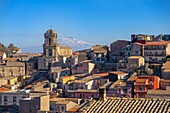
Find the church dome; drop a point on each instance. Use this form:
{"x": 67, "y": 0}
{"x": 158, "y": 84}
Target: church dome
{"x": 50, "y": 31}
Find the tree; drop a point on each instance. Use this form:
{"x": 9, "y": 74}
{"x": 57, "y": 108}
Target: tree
{"x": 11, "y": 47}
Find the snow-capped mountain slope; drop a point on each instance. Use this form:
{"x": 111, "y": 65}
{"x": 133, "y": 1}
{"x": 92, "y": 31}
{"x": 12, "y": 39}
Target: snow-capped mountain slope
{"x": 75, "y": 44}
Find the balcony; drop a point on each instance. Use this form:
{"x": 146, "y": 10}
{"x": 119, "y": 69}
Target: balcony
{"x": 154, "y": 48}
{"x": 161, "y": 55}
{"x": 140, "y": 90}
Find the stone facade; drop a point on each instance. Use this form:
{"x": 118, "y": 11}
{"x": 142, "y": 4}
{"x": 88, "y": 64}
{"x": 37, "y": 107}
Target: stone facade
{"x": 156, "y": 51}
{"x": 52, "y": 51}
{"x": 135, "y": 62}
{"x": 12, "y": 69}
{"x": 34, "y": 104}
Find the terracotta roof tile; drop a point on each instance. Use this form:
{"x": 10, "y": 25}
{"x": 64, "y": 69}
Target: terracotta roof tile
{"x": 132, "y": 78}
{"x": 141, "y": 80}
{"x": 1, "y": 53}
{"x": 101, "y": 74}
{"x": 65, "y": 47}
{"x": 10, "y": 59}
{"x": 73, "y": 109}
{"x": 166, "y": 65}
{"x": 4, "y": 89}
{"x": 157, "y": 43}
{"x": 118, "y": 72}
{"x": 135, "y": 57}
{"x": 125, "y": 105}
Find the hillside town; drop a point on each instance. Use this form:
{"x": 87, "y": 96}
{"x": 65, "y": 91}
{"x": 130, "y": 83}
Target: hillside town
{"x": 128, "y": 76}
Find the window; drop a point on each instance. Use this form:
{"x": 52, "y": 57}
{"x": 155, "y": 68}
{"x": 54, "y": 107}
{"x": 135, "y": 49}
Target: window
{"x": 50, "y": 52}
{"x": 140, "y": 88}
{"x": 23, "y": 97}
{"x": 5, "y": 98}
{"x": 49, "y": 41}
{"x": 14, "y": 99}
{"x": 63, "y": 109}
{"x": 81, "y": 95}
{"x": 98, "y": 59}
{"x": 102, "y": 59}
{"x": 92, "y": 96}
{"x": 151, "y": 80}
{"x": 97, "y": 54}
{"x": 156, "y": 53}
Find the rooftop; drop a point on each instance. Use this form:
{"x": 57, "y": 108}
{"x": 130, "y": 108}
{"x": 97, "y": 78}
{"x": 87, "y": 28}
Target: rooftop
{"x": 84, "y": 91}
{"x": 15, "y": 64}
{"x": 86, "y": 61}
{"x": 62, "y": 102}
{"x": 158, "y": 92}
{"x": 133, "y": 78}
{"x": 1, "y": 53}
{"x": 87, "y": 79}
{"x": 135, "y": 57}
{"x": 63, "y": 99}
{"x": 10, "y": 59}
{"x": 166, "y": 65}
{"x": 141, "y": 80}
{"x": 99, "y": 50}
{"x": 157, "y": 43}
{"x": 2, "y": 89}
{"x": 163, "y": 80}
{"x": 101, "y": 74}
{"x": 118, "y": 72}
{"x": 65, "y": 47}
{"x": 120, "y": 83}
{"x": 127, "y": 105}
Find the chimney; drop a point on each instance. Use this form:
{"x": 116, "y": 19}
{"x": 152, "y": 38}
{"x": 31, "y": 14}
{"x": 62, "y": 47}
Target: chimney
{"x": 102, "y": 94}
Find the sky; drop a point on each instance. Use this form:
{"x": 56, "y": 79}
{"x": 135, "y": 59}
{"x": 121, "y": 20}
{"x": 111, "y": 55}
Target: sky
{"x": 24, "y": 22}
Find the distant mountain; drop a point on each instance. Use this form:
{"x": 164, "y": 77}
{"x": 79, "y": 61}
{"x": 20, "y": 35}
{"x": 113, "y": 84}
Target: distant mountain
{"x": 33, "y": 49}
{"x": 75, "y": 44}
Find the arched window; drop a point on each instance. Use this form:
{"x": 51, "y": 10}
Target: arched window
{"x": 49, "y": 41}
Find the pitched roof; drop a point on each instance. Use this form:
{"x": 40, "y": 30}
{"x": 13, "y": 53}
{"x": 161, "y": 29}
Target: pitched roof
{"x": 166, "y": 65}
{"x": 101, "y": 74}
{"x": 86, "y": 61}
{"x": 2, "y": 89}
{"x": 157, "y": 43}
{"x": 65, "y": 47}
{"x": 141, "y": 80}
{"x": 1, "y": 53}
{"x": 118, "y": 83}
{"x": 73, "y": 109}
{"x": 138, "y": 43}
{"x": 66, "y": 76}
{"x": 62, "y": 102}
{"x": 16, "y": 49}
{"x": 84, "y": 91}
{"x": 164, "y": 80}
{"x": 10, "y": 59}
{"x": 124, "y": 105}
{"x": 63, "y": 99}
{"x": 135, "y": 57}
{"x": 132, "y": 78}
{"x": 15, "y": 64}
{"x": 158, "y": 92}
{"x": 118, "y": 72}
{"x": 99, "y": 50}
{"x": 167, "y": 70}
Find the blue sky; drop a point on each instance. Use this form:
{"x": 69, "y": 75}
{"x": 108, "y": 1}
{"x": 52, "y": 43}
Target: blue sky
{"x": 23, "y": 22}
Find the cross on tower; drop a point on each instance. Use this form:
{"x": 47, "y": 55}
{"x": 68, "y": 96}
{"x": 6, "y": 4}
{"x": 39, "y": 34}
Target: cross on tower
{"x": 50, "y": 26}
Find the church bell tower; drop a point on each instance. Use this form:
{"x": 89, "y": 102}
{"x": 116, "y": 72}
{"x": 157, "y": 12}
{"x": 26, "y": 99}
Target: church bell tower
{"x": 50, "y": 44}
